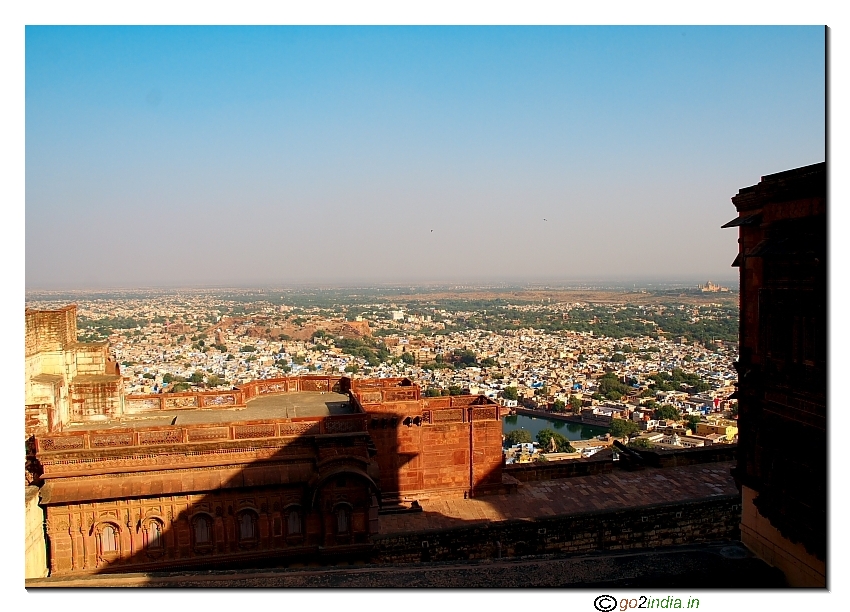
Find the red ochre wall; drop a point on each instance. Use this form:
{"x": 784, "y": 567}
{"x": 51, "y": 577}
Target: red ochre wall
{"x": 74, "y": 529}
{"x": 433, "y": 458}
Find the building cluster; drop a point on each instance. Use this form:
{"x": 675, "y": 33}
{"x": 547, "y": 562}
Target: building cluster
{"x": 184, "y": 344}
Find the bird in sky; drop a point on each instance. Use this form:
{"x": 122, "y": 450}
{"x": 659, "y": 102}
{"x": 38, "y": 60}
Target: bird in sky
{"x": 544, "y": 219}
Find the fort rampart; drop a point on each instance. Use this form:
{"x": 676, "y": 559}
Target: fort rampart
{"x": 690, "y": 522}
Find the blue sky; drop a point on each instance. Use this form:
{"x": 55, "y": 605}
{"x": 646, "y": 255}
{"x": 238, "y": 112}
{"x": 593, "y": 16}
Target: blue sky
{"x": 275, "y": 155}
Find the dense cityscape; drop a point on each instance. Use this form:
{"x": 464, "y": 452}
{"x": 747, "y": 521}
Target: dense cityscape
{"x": 423, "y": 306}
{"x": 647, "y": 364}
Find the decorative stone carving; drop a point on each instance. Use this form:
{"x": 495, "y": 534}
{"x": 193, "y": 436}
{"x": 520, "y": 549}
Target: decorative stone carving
{"x": 171, "y": 436}
{"x": 452, "y": 415}
{"x": 141, "y": 404}
{"x": 346, "y": 426}
{"x": 254, "y": 431}
{"x": 220, "y": 400}
{"x": 273, "y": 388}
{"x": 104, "y": 440}
{"x": 61, "y": 443}
{"x": 299, "y": 429}
{"x": 209, "y": 433}
{"x": 190, "y": 401}
{"x": 481, "y": 414}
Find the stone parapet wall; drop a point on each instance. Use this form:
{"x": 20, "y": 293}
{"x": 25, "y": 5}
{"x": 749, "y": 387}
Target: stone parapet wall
{"x": 716, "y": 453}
{"x": 698, "y": 521}
{"x": 233, "y": 398}
{"x": 71, "y": 442}
{"x": 35, "y": 552}
{"x": 290, "y": 384}
{"x": 601, "y": 463}
{"x": 141, "y": 403}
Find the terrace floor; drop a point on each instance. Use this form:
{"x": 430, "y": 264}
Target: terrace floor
{"x": 618, "y": 489}
{"x": 293, "y": 405}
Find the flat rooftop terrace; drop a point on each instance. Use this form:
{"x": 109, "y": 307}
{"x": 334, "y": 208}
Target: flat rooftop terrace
{"x": 299, "y": 404}
{"x": 566, "y": 496}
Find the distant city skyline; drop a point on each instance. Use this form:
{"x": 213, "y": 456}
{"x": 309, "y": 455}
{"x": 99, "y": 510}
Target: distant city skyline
{"x": 276, "y": 156}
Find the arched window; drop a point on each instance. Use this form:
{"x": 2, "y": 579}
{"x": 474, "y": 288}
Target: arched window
{"x": 203, "y": 530}
{"x": 293, "y": 522}
{"x": 342, "y": 520}
{"x": 108, "y": 539}
{"x": 247, "y": 526}
{"x": 153, "y": 535}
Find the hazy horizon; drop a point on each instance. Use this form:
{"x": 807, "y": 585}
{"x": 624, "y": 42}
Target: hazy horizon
{"x": 551, "y": 284}
{"x": 180, "y": 157}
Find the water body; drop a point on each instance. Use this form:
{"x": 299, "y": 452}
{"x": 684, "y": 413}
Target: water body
{"x": 571, "y": 431}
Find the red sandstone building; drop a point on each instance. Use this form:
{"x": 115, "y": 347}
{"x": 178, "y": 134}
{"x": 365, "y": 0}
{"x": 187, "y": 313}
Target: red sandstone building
{"x": 289, "y": 468}
{"x": 782, "y": 370}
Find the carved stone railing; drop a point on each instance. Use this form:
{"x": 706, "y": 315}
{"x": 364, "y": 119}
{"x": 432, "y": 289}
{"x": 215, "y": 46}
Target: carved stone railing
{"x": 135, "y": 404}
{"x": 291, "y": 384}
{"x": 219, "y": 432}
{"x": 238, "y": 397}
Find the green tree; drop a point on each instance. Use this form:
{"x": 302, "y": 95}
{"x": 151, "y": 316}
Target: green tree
{"x": 215, "y": 381}
{"x": 640, "y": 443}
{"x": 575, "y": 403}
{"x": 650, "y": 405}
{"x": 298, "y": 360}
{"x": 559, "y": 406}
{"x": 621, "y": 428}
{"x": 464, "y": 359}
{"x": 562, "y": 444}
{"x": 455, "y": 390}
{"x": 167, "y": 378}
{"x": 352, "y": 368}
{"x": 197, "y": 377}
{"x": 488, "y": 362}
{"x": 408, "y": 358}
{"x": 148, "y": 375}
{"x": 180, "y": 387}
{"x": 691, "y": 422}
{"x": 667, "y": 413}
{"x": 510, "y": 393}
{"x": 248, "y": 349}
{"x": 432, "y": 392}
{"x": 517, "y": 436}
{"x": 611, "y": 387}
